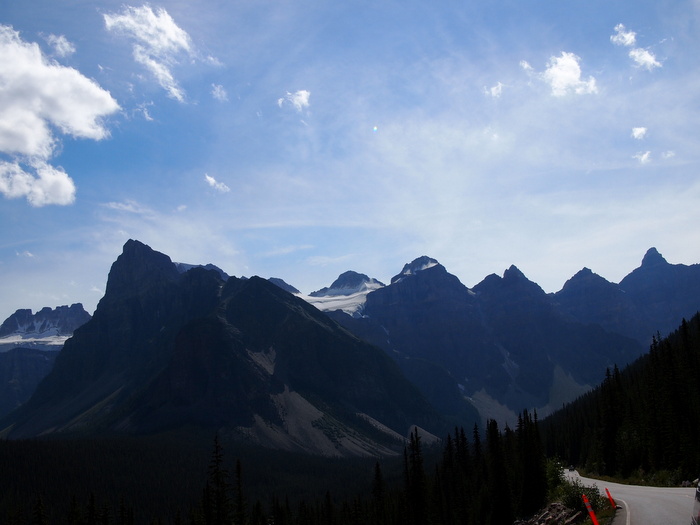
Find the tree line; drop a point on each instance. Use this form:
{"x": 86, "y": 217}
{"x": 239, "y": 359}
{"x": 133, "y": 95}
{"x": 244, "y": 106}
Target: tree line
{"x": 642, "y": 422}
{"x": 466, "y": 480}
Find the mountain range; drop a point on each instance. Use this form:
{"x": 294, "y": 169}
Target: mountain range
{"x": 167, "y": 350}
{"x": 505, "y": 344}
{"x": 346, "y": 370}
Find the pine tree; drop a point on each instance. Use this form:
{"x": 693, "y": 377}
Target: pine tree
{"x": 416, "y": 490}
{"x": 217, "y": 502}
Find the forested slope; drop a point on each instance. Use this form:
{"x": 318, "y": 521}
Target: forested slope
{"x": 641, "y": 421}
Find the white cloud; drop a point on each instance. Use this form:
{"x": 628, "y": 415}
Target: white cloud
{"x": 644, "y": 157}
{"x": 299, "y": 99}
{"x": 38, "y": 97}
{"x": 158, "y": 42}
{"x": 218, "y": 186}
{"x": 50, "y": 185}
{"x": 526, "y": 66}
{"x": 622, "y": 37}
{"x": 60, "y": 44}
{"x": 563, "y": 74}
{"x": 25, "y": 253}
{"x": 644, "y": 59}
{"x": 668, "y": 154}
{"x": 128, "y": 206}
{"x": 639, "y": 133}
{"x": 494, "y": 91}
{"x": 219, "y": 93}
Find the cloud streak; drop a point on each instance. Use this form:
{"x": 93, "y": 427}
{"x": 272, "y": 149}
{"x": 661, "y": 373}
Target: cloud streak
{"x": 158, "y": 42}
{"x": 218, "y": 186}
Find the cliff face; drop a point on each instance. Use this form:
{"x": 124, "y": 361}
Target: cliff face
{"x": 167, "y": 350}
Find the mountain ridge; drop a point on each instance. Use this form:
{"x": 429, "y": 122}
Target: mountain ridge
{"x": 526, "y": 342}
{"x": 166, "y": 349}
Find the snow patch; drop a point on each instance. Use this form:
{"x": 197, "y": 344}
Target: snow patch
{"x": 350, "y": 301}
{"x": 40, "y": 341}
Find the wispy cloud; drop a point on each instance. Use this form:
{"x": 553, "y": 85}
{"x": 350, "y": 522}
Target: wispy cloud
{"x": 218, "y": 186}
{"x": 219, "y": 93}
{"x": 60, "y": 44}
{"x": 158, "y": 42}
{"x": 286, "y": 250}
{"x": 644, "y": 157}
{"x": 563, "y": 74}
{"x": 129, "y": 206}
{"x": 38, "y": 98}
{"x": 495, "y": 91}
{"x": 299, "y": 99}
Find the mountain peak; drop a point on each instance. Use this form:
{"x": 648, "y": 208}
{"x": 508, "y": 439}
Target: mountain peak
{"x": 349, "y": 283}
{"x": 137, "y": 266}
{"x": 417, "y": 265}
{"x": 513, "y": 273}
{"x": 653, "y": 258}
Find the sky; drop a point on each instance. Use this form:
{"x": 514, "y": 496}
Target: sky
{"x": 300, "y": 139}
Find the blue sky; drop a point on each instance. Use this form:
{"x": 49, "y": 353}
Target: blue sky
{"x": 302, "y": 139}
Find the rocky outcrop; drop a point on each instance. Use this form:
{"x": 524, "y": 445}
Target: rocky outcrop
{"x": 554, "y": 514}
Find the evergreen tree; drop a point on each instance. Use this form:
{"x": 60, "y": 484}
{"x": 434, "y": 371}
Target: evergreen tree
{"x": 217, "y": 497}
{"x": 415, "y": 480}
{"x": 501, "y": 509}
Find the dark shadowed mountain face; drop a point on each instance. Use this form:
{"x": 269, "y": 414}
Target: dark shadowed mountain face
{"x": 652, "y": 299}
{"x": 505, "y": 345}
{"x": 21, "y": 369}
{"x": 166, "y": 350}
{"x": 499, "y": 348}
{"x": 29, "y": 344}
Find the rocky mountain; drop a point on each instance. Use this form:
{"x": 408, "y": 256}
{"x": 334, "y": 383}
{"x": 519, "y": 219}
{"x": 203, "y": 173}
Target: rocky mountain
{"x": 506, "y": 345}
{"x": 167, "y": 350}
{"x": 347, "y": 293}
{"x": 29, "y": 344}
{"x": 653, "y": 298}
{"x": 47, "y": 329}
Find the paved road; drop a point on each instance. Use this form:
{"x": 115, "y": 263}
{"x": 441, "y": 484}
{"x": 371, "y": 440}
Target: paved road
{"x": 646, "y": 505}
